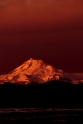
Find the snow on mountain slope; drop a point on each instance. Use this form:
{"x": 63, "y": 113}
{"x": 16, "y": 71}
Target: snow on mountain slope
{"x": 32, "y": 71}
{"x": 39, "y": 72}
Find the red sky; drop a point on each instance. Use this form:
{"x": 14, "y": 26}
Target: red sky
{"x": 51, "y": 30}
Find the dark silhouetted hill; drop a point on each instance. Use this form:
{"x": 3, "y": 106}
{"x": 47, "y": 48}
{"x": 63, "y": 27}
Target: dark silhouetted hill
{"x": 51, "y": 94}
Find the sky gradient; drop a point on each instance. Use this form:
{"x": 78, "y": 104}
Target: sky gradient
{"x": 51, "y": 30}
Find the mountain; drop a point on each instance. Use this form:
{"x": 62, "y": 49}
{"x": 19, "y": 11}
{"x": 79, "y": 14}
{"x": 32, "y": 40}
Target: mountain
{"x": 37, "y": 71}
{"x": 32, "y": 71}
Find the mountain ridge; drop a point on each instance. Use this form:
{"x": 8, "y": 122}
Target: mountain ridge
{"x": 32, "y": 71}
{"x": 37, "y": 71}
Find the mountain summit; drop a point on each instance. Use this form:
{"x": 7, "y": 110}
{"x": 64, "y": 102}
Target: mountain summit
{"x": 37, "y": 71}
{"x": 32, "y": 71}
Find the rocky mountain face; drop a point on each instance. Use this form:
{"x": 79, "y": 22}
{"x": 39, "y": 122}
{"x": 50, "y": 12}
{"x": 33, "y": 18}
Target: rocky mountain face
{"x": 32, "y": 71}
{"x": 38, "y": 72}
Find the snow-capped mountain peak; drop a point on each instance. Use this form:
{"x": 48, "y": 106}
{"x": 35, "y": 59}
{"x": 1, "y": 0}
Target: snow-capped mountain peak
{"x": 32, "y": 71}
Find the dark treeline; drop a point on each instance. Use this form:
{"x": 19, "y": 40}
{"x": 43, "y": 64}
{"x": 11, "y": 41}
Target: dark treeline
{"x": 51, "y": 94}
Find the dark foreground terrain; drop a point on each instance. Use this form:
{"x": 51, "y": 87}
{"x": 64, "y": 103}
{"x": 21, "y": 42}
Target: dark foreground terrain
{"x": 53, "y": 102}
{"x": 54, "y": 94}
{"x": 41, "y": 115}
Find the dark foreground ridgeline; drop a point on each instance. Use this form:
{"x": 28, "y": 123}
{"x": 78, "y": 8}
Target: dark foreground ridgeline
{"x": 55, "y": 94}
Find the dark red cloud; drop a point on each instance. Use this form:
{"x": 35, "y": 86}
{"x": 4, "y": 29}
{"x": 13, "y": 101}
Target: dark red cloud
{"x": 22, "y": 14}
